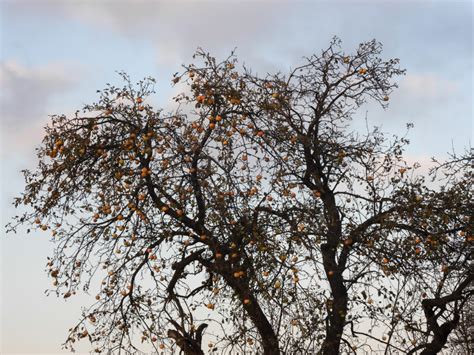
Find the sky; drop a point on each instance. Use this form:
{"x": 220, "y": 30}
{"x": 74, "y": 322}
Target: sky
{"x": 54, "y": 55}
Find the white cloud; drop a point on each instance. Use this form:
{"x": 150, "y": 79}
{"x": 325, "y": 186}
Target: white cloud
{"x": 26, "y": 91}
{"x": 177, "y": 28}
{"x": 25, "y": 100}
{"x": 427, "y": 85}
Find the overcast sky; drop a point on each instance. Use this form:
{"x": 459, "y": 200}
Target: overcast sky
{"x": 54, "y": 55}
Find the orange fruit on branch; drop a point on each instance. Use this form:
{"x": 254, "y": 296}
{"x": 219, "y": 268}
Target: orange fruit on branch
{"x": 200, "y": 98}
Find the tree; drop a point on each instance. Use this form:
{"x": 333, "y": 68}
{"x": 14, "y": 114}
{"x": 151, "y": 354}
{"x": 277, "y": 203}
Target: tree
{"x": 462, "y": 340}
{"x": 254, "y": 207}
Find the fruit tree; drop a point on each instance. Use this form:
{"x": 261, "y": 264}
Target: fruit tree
{"x": 255, "y": 217}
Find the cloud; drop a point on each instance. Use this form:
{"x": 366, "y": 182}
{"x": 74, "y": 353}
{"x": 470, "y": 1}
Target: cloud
{"x": 27, "y": 91}
{"x": 26, "y": 98}
{"x": 175, "y": 28}
{"x": 427, "y": 85}
{"x": 424, "y": 97}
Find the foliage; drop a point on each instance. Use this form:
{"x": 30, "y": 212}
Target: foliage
{"x": 254, "y": 214}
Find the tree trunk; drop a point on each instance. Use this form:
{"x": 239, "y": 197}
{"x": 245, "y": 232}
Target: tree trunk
{"x": 441, "y": 334}
{"x": 265, "y": 329}
{"x": 189, "y": 344}
{"x": 336, "y": 318}
{"x": 338, "y": 309}
{"x": 269, "y": 339}
{"x": 240, "y": 286}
